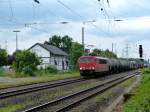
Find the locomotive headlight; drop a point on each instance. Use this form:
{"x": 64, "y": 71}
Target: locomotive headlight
{"x": 80, "y": 68}
{"x": 93, "y": 68}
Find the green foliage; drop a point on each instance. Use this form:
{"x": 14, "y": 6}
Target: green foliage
{"x": 26, "y": 62}
{"x": 51, "y": 69}
{"x": 106, "y": 53}
{"x": 74, "y": 49}
{"x": 55, "y": 40}
{"x": 76, "y": 52}
{"x": 141, "y": 101}
{"x": 3, "y": 57}
{"x": 1, "y": 72}
{"x": 146, "y": 71}
{"x": 64, "y": 42}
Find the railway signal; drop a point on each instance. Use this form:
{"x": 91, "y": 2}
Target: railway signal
{"x": 140, "y": 51}
{"x": 38, "y": 2}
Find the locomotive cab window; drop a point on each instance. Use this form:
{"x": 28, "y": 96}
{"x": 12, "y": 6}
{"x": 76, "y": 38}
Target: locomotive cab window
{"x": 86, "y": 60}
{"x": 102, "y": 61}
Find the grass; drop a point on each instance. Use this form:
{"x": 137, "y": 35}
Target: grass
{"x": 2, "y": 72}
{"x": 140, "y": 102}
{"x": 47, "y": 95}
{"x": 123, "y": 85}
{"x": 101, "y": 101}
{"x": 13, "y": 81}
{"x": 11, "y": 108}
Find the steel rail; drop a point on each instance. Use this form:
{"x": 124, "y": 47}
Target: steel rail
{"x": 11, "y": 93}
{"x": 99, "y": 89}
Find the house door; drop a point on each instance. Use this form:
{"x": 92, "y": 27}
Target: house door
{"x": 63, "y": 65}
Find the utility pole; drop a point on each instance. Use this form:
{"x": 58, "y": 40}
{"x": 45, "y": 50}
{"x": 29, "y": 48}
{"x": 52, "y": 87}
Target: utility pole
{"x": 83, "y": 30}
{"x": 127, "y": 50}
{"x": 6, "y": 45}
{"x": 112, "y": 47}
{"x": 16, "y": 31}
{"x": 116, "y": 49}
{"x": 83, "y": 38}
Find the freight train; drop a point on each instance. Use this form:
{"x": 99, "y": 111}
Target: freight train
{"x": 93, "y": 65}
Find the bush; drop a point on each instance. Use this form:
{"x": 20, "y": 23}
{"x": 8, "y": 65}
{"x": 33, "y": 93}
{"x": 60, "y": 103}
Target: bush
{"x": 29, "y": 70}
{"x": 3, "y": 57}
{"x": 1, "y": 72}
{"x": 51, "y": 69}
{"x": 146, "y": 71}
{"x": 26, "y": 62}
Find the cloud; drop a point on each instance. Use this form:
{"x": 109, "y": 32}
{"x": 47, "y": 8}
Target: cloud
{"x": 133, "y": 29}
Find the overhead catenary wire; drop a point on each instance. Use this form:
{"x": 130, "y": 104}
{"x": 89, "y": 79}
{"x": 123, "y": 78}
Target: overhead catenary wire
{"x": 74, "y": 12}
{"x": 37, "y": 2}
{"x": 71, "y": 10}
{"x": 11, "y": 10}
{"x": 13, "y": 22}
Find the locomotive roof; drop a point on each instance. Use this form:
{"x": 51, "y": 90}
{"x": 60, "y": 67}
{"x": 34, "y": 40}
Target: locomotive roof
{"x": 94, "y": 57}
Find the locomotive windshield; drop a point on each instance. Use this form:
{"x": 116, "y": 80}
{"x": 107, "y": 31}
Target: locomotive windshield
{"x": 86, "y": 60}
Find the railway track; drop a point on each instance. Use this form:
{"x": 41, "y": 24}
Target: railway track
{"x": 67, "y": 102}
{"x": 38, "y": 87}
{"x": 19, "y": 90}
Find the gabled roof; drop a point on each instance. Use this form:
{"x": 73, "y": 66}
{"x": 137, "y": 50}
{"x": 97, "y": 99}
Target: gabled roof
{"x": 53, "y": 49}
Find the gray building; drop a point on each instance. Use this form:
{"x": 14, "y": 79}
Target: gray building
{"x": 51, "y": 55}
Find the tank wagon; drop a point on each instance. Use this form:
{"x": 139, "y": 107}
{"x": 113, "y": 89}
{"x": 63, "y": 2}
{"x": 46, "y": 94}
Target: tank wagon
{"x": 92, "y": 65}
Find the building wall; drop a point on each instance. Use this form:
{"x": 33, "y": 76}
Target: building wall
{"x": 60, "y": 62}
{"x": 49, "y": 59}
{"x": 41, "y": 52}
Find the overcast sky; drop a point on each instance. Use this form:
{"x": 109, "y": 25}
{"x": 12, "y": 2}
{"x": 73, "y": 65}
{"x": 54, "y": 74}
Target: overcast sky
{"x": 133, "y": 29}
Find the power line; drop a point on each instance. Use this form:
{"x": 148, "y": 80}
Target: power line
{"x": 40, "y": 30}
{"x": 103, "y": 8}
{"x": 71, "y": 10}
{"x": 48, "y": 10}
{"x": 11, "y": 10}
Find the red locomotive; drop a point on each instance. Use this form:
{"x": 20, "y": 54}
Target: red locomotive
{"x": 93, "y": 64}
{"x": 90, "y": 65}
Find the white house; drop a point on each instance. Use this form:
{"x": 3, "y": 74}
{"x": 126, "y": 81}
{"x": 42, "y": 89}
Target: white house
{"x": 51, "y": 55}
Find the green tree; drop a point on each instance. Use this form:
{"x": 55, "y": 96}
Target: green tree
{"x": 64, "y": 42}
{"x": 96, "y": 52}
{"x": 105, "y": 53}
{"x": 55, "y": 40}
{"x": 76, "y": 52}
{"x": 26, "y": 62}
{"x": 3, "y": 57}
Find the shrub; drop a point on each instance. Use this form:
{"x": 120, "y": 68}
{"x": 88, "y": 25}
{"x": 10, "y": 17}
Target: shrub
{"x": 1, "y": 72}
{"x": 29, "y": 70}
{"x": 146, "y": 71}
{"x": 3, "y": 57}
{"x": 51, "y": 69}
{"x": 26, "y": 62}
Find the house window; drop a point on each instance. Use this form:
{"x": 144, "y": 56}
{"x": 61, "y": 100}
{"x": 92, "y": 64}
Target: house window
{"x": 67, "y": 63}
{"x": 63, "y": 65}
{"x": 55, "y": 62}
